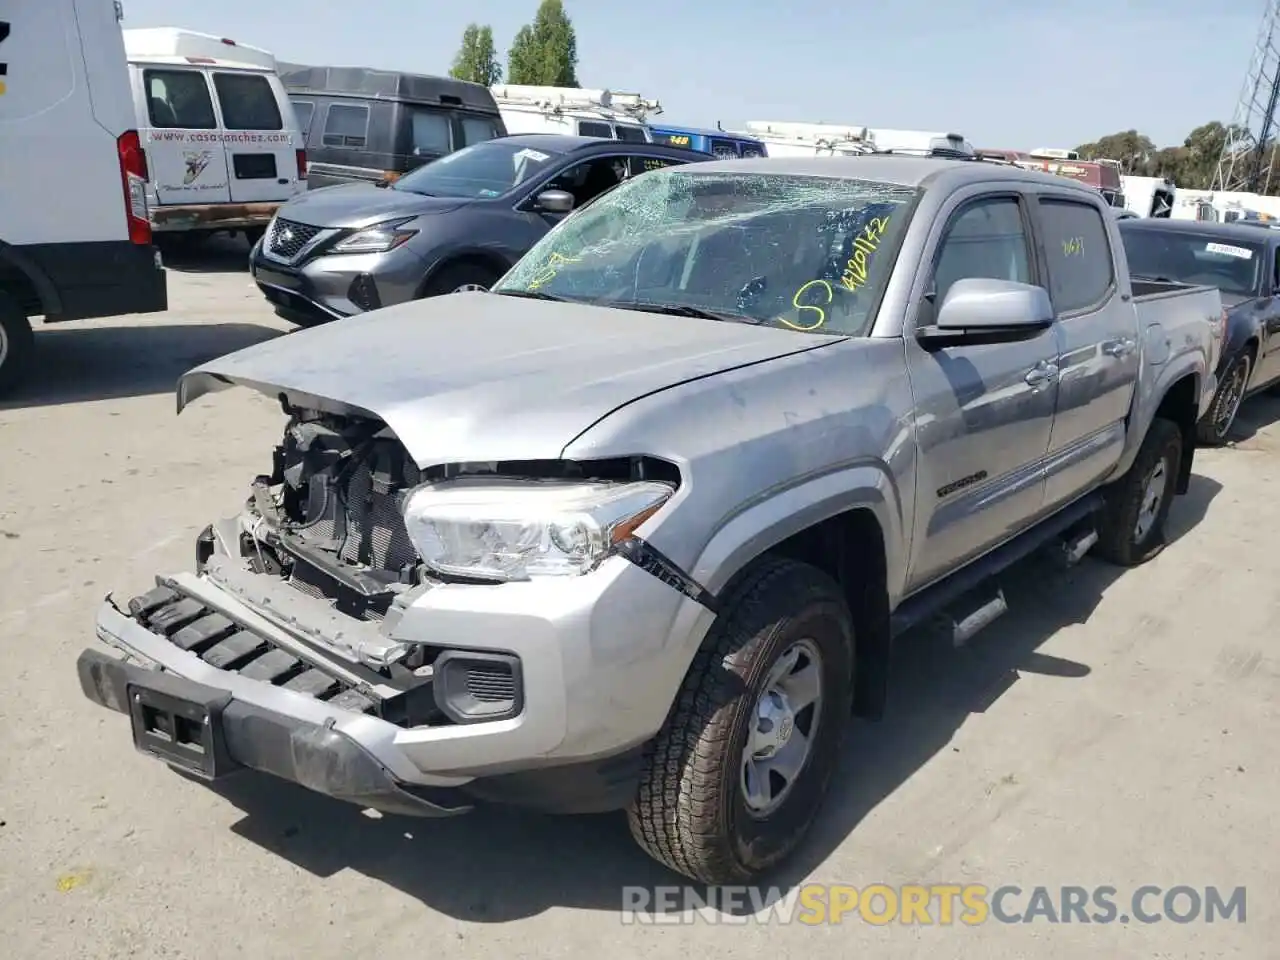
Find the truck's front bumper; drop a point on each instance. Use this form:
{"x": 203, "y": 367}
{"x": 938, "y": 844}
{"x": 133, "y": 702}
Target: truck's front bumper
{"x": 207, "y": 732}
{"x": 596, "y": 681}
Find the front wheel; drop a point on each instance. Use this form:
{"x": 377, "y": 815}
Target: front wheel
{"x": 17, "y": 344}
{"x": 1213, "y": 429}
{"x": 738, "y": 773}
{"x": 460, "y": 278}
{"x": 1137, "y": 505}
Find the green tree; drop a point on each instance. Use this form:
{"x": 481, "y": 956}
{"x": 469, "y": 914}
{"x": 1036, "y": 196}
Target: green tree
{"x": 477, "y": 59}
{"x": 545, "y": 53}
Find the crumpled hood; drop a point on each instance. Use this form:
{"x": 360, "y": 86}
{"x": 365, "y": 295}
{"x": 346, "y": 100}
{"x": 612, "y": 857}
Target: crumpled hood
{"x": 474, "y": 377}
{"x": 350, "y": 205}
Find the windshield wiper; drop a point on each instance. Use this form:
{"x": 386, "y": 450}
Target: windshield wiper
{"x": 682, "y": 310}
{"x": 531, "y": 295}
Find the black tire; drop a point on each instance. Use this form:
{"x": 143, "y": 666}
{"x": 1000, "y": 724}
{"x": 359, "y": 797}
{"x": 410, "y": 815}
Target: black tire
{"x": 1119, "y": 541}
{"x": 17, "y": 344}
{"x": 1214, "y": 429}
{"x": 690, "y": 811}
{"x": 456, "y": 276}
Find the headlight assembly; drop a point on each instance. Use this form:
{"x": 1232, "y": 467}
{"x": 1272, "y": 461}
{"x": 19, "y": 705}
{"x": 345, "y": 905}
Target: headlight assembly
{"x": 378, "y": 238}
{"x": 521, "y": 529}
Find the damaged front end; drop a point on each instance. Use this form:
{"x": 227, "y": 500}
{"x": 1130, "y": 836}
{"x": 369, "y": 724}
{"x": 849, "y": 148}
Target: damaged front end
{"x": 304, "y": 589}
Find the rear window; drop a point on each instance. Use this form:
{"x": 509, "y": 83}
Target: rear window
{"x": 1230, "y": 264}
{"x": 248, "y": 102}
{"x": 346, "y": 125}
{"x": 178, "y": 99}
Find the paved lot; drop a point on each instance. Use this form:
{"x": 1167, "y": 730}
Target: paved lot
{"x": 1113, "y": 729}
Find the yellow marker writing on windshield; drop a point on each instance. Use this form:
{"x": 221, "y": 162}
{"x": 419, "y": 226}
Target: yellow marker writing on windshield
{"x": 802, "y": 307}
{"x": 550, "y": 269}
{"x": 864, "y": 245}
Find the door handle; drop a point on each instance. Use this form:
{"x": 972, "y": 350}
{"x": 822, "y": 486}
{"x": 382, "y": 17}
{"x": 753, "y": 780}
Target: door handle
{"x": 1119, "y": 348}
{"x": 1042, "y": 372}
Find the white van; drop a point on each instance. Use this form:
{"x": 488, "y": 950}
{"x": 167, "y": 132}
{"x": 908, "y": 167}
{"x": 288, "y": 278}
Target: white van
{"x": 223, "y": 144}
{"x": 573, "y": 111}
{"x": 75, "y": 241}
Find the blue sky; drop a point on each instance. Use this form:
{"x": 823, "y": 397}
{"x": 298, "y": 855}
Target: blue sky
{"x": 1001, "y": 72}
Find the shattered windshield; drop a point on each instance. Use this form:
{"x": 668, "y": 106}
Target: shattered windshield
{"x": 487, "y": 169}
{"x": 798, "y": 252}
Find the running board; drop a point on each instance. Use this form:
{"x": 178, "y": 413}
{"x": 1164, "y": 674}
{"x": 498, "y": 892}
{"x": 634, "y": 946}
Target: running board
{"x": 1070, "y": 523}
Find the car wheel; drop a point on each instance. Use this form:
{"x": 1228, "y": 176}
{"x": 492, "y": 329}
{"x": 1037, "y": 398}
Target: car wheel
{"x": 1137, "y": 506}
{"x": 17, "y": 344}
{"x": 737, "y": 774}
{"x": 1216, "y": 425}
{"x": 460, "y": 278}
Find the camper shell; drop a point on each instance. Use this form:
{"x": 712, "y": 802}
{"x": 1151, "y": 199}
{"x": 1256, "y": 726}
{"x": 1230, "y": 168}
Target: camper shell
{"x": 223, "y": 148}
{"x": 366, "y": 125}
{"x": 575, "y": 111}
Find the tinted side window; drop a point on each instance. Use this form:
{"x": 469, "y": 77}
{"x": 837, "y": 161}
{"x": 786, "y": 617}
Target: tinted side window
{"x": 429, "y": 133}
{"x": 724, "y": 149}
{"x": 630, "y": 133}
{"x": 304, "y": 110}
{"x": 1080, "y": 264}
{"x": 178, "y": 99}
{"x": 477, "y": 130}
{"x": 248, "y": 102}
{"x": 986, "y": 241}
{"x": 346, "y": 125}
{"x": 592, "y": 128}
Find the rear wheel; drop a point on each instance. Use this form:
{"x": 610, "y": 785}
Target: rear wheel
{"x": 459, "y": 278}
{"x": 738, "y": 773}
{"x": 17, "y": 344}
{"x": 1216, "y": 425}
{"x": 1133, "y": 519}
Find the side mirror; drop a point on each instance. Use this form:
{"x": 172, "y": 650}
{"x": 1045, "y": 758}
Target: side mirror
{"x": 553, "y": 201}
{"x": 978, "y": 311}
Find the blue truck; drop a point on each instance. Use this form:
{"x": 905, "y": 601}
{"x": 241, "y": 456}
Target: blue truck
{"x": 717, "y": 142}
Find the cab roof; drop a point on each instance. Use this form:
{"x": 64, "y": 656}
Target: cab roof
{"x": 1254, "y": 232}
{"x": 902, "y": 169}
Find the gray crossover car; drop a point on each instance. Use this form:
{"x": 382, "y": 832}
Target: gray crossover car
{"x": 456, "y": 224}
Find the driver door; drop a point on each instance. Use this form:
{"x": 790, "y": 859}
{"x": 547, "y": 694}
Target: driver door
{"x": 984, "y": 414}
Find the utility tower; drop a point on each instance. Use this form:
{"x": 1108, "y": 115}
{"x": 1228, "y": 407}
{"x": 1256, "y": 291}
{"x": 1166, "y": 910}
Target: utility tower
{"x": 1246, "y": 162}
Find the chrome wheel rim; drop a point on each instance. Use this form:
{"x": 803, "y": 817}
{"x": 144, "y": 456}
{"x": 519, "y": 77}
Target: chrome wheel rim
{"x": 470, "y": 288}
{"x": 1232, "y": 396}
{"x": 1153, "y": 493}
{"x": 784, "y": 722}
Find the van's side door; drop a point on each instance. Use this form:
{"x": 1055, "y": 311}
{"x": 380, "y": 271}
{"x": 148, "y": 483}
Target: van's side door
{"x": 984, "y": 413}
{"x": 261, "y": 148}
{"x": 185, "y": 154}
{"x": 1098, "y": 333}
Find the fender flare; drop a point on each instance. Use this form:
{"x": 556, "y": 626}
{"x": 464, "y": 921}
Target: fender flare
{"x": 50, "y": 302}
{"x": 784, "y": 513}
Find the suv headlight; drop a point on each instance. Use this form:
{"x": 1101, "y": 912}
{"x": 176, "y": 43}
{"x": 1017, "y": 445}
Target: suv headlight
{"x": 507, "y": 530}
{"x": 378, "y": 238}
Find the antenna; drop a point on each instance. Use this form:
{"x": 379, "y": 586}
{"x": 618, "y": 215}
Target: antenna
{"x": 1244, "y": 164}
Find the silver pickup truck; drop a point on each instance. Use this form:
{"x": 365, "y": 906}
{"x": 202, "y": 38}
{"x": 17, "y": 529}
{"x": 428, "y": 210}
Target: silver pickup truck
{"x": 635, "y": 530}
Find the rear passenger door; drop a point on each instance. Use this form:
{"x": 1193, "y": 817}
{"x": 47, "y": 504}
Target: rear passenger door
{"x": 261, "y": 153}
{"x": 1098, "y": 368}
{"x": 185, "y": 153}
